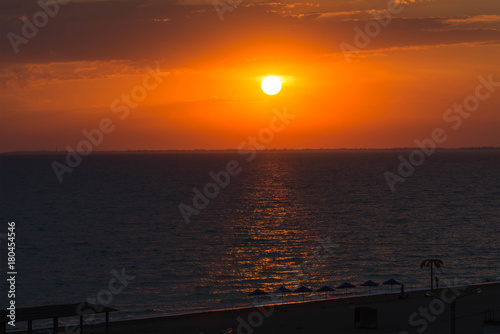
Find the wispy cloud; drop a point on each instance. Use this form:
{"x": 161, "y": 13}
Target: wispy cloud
{"x": 290, "y": 5}
{"x": 34, "y": 75}
{"x": 431, "y": 46}
{"x": 407, "y": 2}
{"x": 328, "y": 15}
{"x": 348, "y": 15}
{"x": 473, "y": 19}
{"x": 161, "y": 19}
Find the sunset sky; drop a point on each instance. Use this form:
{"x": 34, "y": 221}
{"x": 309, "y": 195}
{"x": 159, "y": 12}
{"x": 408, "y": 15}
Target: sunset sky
{"x": 393, "y": 91}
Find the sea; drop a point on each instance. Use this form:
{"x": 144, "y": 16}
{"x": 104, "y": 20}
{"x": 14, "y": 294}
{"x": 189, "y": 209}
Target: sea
{"x": 156, "y": 233}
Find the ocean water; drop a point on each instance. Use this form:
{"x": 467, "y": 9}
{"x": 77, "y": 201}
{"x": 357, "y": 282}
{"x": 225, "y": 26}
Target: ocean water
{"x": 120, "y": 212}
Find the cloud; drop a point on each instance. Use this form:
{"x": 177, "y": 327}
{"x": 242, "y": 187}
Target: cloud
{"x": 473, "y": 19}
{"x": 161, "y": 19}
{"x": 184, "y": 35}
{"x": 386, "y": 51}
{"x": 351, "y": 15}
{"x": 286, "y": 5}
{"x": 329, "y": 15}
{"x": 35, "y": 75}
{"x": 408, "y": 2}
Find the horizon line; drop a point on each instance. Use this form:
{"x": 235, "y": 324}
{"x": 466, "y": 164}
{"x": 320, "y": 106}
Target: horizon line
{"x": 262, "y": 150}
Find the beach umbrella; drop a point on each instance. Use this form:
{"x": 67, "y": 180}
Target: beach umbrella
{"x": 391, "y": 282}
{"x": 302, "y": 290}
{"x": 325, "y": 289}
{"x": 257, "y": 292}
{"x": 370, "y": 284}
{"x": 346, "y": 286}
{"x": 283, "y": 290}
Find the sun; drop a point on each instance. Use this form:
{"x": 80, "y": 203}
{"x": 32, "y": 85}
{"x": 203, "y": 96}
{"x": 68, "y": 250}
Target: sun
{"x": 271, "y": 85}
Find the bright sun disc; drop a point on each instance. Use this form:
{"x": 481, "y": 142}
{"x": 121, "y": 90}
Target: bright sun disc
{"x": 271, "y": 85}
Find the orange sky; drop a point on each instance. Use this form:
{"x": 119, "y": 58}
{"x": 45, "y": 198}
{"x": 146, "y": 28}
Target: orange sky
{"x": 393, "y": 91}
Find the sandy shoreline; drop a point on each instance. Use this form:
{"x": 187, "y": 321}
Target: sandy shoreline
{"x": 331, "y": 316}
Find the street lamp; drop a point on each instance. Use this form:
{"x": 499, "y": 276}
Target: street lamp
{"x": 453, "y": 307}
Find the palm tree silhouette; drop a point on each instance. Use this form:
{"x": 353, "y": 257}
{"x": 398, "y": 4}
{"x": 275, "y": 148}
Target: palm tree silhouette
{"x": 431, "y": 263}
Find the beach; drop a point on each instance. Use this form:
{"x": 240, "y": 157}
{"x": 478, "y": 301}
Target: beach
{"x": 333, "y": 316}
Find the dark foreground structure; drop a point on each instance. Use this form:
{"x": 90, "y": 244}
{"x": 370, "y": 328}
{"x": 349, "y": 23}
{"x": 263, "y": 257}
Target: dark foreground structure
{"x": 476, "y": 313}
{"x": 54, "y": 312}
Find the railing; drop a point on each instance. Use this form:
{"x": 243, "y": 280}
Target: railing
{"x": 492, "y": 316}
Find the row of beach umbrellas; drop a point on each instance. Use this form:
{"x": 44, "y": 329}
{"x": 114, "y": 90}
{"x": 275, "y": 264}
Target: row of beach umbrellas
{"x": 325, "y": 289}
